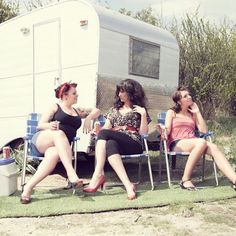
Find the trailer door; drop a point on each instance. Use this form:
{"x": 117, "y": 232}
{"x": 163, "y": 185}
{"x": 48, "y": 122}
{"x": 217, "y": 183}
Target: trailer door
{"x": 46, "y": 62}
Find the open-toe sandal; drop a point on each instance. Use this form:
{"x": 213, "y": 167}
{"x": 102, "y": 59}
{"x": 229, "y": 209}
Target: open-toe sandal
{"x": 191, "y": 188}
{"x": 234, "y": 186}
{"x": 25, "y": 200}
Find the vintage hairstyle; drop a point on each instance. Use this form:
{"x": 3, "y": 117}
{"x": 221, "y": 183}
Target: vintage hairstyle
{"x": 63, "y": 89}
{"x": 176, "y": 97}
{"x": 134, "y": 91}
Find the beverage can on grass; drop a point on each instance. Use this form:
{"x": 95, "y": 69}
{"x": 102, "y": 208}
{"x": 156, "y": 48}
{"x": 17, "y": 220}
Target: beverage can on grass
{"x": 6, "y": 152}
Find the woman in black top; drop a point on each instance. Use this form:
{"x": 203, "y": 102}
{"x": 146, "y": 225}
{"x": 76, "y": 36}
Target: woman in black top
{"x": 126, "y": 121}
{"x": 57, "y": 128}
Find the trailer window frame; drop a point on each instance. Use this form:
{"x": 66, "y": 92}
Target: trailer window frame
{"x": 139, "y": 51}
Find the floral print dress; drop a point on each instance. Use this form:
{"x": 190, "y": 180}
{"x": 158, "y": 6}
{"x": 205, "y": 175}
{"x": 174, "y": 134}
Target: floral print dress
{"x": 128, "y": 123}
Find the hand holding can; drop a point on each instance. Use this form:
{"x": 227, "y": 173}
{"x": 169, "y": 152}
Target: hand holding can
{"x": 97, "y": 127}
{"x": 57, "y": 124}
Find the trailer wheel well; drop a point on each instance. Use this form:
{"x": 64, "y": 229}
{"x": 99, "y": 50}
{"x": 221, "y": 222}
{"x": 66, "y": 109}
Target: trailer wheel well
{"x": 14, "y": 144}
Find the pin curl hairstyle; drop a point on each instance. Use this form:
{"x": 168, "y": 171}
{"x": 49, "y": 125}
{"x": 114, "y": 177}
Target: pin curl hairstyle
{"x": 63, "y": 89}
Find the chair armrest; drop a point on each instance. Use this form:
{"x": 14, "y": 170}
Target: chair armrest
{"x": 162, "y": 130}
{"x": 207, "y": 134}
{"x": 144, "y": 136}
{"x": 76, "y": 138}
{"x": 26, "y": 138}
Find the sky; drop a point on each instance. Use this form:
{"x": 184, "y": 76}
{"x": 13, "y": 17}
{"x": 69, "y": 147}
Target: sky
{"x": 214, "y": 10}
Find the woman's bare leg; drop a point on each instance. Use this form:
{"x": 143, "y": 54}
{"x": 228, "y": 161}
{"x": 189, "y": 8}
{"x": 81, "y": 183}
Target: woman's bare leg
{"x": 58, "y": 139}
{"x": 100, "y": 155}
{"x": 196, "y": 147}
{"x": 221, "y": 161}
{"x": 118, "y": 166}
{"x": 47, "y": 165}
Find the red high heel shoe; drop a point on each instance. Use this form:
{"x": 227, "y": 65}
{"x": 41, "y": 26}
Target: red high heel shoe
{"x": 132, "y": 196}
{"x": 101, "y": 181}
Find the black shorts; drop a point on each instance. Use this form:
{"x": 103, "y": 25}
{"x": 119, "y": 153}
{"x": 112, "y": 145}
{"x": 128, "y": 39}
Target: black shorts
{"x": 173, "y": 144}
{"x": 119, "y": 143}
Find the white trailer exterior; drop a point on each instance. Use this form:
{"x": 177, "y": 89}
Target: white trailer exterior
{"x": 90, "y": 45}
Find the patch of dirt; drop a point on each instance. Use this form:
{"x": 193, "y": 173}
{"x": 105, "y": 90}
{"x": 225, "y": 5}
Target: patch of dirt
{"x": 216, "y": 218}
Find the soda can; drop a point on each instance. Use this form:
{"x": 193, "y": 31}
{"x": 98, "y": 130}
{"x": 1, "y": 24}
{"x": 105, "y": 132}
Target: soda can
{"x": 57, "y": 123}
{"x": 6, "y": 152}
{"x": 97, "y": 127}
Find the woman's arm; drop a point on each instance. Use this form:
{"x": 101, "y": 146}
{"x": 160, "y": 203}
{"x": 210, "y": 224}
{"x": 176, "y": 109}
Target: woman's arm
{"x": 200, "y": 122}
{"x": 143, "y": 129}
{"x": 168, "y": 121}
{"x": 45, "y": 121}
{"x": 93, "y": 114}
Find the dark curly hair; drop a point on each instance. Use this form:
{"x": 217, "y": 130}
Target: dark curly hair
{"x": 63, "y": 89}
{"x": 176, "y": 97}
{"x": 134, "y": 91}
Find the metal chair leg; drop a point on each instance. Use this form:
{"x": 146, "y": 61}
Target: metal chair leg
{"x": 203, "y": 167}
{"x": 24, "y": 165}
{"x": 215, "y": 172}
{"x": 167, "y": 164}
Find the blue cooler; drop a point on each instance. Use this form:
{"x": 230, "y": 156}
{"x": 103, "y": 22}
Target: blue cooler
{"x": 8, "y": 176}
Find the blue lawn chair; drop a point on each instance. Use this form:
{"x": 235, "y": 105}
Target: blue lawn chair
{"x": 164, "y": 150}
{"x": 32, "y": 123}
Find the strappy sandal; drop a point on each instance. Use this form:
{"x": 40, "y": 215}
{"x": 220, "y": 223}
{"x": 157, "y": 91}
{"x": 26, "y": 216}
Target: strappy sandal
{"x": 234, "y": 186}
{"x": 192, "y": 188}
{"x": 25, "y": 200}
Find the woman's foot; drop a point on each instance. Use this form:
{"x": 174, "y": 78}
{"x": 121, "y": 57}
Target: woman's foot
{"x": 95, "y": 184}
{"x": 131, "y": 191}
{"x": 25, "y": 200}
{"x": 187, "y": 184}
{"x": 76, "y": 184}
{"x": 25, "y": 196}
{"x": 234, "y": 186}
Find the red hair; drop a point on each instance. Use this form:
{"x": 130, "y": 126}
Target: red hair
{"x": 63, "y": 89}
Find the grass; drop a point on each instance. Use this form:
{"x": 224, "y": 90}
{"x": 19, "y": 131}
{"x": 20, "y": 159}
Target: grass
{"x": 58, "y": 202}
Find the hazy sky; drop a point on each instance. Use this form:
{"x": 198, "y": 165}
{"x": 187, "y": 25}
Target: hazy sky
{"x": 214, "y": 10}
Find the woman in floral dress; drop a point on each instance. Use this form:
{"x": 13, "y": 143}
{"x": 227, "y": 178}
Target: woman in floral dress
{"x": 121, "y": 134}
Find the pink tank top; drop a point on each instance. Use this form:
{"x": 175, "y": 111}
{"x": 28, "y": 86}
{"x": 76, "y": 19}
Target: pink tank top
{"x": 182, "y": 128}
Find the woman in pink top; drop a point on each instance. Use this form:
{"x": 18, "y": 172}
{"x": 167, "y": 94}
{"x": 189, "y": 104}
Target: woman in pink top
{"x": 181, "y": 122}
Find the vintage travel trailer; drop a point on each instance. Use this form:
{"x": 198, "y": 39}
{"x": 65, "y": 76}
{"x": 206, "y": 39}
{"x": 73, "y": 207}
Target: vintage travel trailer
{"x": 87, "y": 44}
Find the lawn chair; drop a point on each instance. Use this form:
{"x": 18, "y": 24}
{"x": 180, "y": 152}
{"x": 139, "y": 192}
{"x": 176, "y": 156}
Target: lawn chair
{"x": 164, "y": 150}
{"x": 140, "y": 156}
{"x": 32, "y": 123}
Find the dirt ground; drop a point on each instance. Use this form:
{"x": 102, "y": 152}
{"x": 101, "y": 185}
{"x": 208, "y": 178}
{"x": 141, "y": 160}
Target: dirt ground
{"x": 214, "y": 218}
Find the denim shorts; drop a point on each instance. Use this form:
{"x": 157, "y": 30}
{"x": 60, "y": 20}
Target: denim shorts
{"x": 34, "y": 150}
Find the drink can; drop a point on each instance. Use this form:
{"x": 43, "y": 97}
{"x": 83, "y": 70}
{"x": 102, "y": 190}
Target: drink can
{"x": 6, "y": 152}
{"x": 97, "y": 127}
{"x": 57, "y": 122}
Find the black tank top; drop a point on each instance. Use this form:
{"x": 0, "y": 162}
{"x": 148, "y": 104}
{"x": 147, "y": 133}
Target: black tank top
{"x": 69, "y": 124}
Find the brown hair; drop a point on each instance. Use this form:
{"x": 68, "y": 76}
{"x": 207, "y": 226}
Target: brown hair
{"x": 176, "y": 96}
{"x": 63, "y": 89}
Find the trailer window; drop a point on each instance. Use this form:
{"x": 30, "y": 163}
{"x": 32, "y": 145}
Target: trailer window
{"x": 144, "y": 58}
